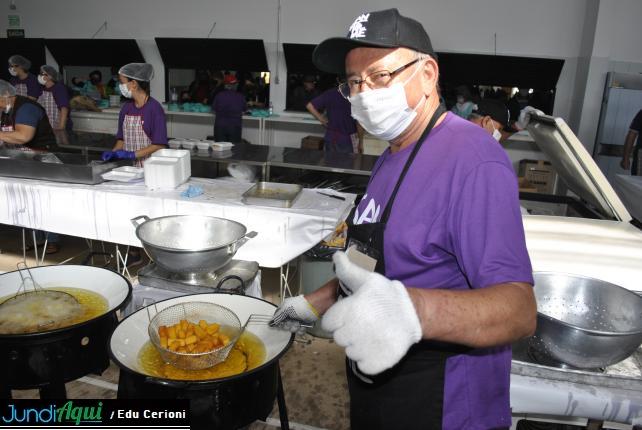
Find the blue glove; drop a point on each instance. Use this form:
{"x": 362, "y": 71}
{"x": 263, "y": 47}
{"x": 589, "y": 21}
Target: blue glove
{"x": 192, "y": 191}
{"x": 107, "y": 155}
{"x": 121, "y": 154}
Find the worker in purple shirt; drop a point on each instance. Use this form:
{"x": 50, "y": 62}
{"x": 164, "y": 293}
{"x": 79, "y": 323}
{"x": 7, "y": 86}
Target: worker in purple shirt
{"x": 54, "y": 98}
{"x": 142, "y": 129}
{"x": 228, "y": 106}
{"x": 333, "y": 112}
{"x": 436, "y": 280}
{"x": 25, "y": 82}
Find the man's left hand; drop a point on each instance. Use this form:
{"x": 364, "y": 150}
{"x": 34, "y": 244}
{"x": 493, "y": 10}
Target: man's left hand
{"x": 377, "y": 324}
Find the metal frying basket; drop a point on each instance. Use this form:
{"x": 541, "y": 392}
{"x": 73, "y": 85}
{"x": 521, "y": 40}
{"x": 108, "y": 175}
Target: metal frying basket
{"x": 196, "y": 311}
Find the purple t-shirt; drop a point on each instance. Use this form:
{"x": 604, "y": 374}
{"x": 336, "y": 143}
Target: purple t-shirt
{"x": 153, "y": 115}
{"x": 228, "y": 106}
{"x": 340, "y": 122}
{"x": 456, "y": 225}
{"x": 61, "y": 97}
{"x": 33, "y": 87}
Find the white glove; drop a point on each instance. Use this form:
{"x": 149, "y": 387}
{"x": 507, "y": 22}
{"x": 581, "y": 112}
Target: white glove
{"x": 293, "y": 312}
{"x": 377, "y": 324}
{"x": 525, "y": 116}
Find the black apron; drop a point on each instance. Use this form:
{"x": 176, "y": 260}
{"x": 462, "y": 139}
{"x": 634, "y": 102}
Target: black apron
{"x": 409, "y": 395}
{"x": 44, "y": 138}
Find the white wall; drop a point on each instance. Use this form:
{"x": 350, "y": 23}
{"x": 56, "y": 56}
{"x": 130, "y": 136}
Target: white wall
{"x": 542, "y": 28}
{"x": 545, "y": 28}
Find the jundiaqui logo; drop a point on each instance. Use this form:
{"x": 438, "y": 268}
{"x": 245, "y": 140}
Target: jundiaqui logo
{"x": 67, "y": 413}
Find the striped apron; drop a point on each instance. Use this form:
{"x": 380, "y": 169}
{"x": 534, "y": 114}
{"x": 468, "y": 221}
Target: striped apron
{"x": 134, "y": 136}
{"x": 48, "y": 102}
{"x": 21, "y": 89}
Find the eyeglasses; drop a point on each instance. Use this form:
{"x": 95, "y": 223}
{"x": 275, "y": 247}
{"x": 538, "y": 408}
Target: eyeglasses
{"x": 378, "y": 79}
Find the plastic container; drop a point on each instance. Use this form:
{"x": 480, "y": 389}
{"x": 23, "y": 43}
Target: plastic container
{"x": 175, "y": 143}
{"x": 188, "y": 144}
{"x": 114, "y": 101}
{"x": 203, "y": 145}
{"x": 222, "y": 146}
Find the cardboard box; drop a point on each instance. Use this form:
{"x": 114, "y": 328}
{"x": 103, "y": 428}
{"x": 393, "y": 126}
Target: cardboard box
{"x": 525, "y": 186}
{"x": 539, "y": 174}
{"x": 312, "y": 142}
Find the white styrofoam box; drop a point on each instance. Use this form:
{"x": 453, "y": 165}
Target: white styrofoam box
{"x": 163, "y": 173}
{"x": 183, "y": 155}
{"x": 123, "y": 174}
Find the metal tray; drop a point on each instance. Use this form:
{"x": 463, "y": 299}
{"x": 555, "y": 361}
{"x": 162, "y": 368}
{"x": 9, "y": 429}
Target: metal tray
{"x": 73, "y": 168}
{"x": 272, "y": 194}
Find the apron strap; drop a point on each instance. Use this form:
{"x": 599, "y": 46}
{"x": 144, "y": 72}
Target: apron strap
{"x": 435, "y": 116}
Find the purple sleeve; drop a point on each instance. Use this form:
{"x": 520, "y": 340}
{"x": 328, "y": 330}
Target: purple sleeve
{"x": 215, "y": 102}
{"x": 121, "y": 119}
{"x": 157, "y": 129}
{"x": 61, "y": 96}
{"x": 34, "y": 89}
{"x": 636, "y": 124}
{"x": 320, "y": 102}
{"x": 487, "y": 231}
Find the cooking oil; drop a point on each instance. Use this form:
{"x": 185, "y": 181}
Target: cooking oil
{"x": 90, "y": 305}
{"x": 248, "y": 353}
{"x": 93, "y": 304}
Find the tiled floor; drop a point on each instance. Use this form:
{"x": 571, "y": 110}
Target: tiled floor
{"x": 313, "y": 374}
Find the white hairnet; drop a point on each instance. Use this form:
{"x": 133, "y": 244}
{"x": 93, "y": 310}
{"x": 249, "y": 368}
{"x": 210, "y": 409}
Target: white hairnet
{"x": 50, "y": 71}
{"x": 6, "y": 89}
{"x": 21, "y": 61}
{"x": 137, "y": 71}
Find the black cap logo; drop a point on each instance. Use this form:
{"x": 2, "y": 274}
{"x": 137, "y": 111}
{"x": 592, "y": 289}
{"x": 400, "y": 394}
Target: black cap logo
{"x": 357, "y": 30}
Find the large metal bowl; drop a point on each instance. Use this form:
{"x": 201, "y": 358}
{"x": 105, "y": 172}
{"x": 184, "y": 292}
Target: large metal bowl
{"x": 584, "y": 322}
{"x": 190, "y": 243}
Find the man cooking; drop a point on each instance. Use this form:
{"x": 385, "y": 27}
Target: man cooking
{"x": 25, "y": 124}
{"x": 428, "y": 334}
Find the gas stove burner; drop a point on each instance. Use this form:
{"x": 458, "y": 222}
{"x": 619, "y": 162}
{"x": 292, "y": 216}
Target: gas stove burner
{"x": 538, "y": 357}
{"x": 226, "y": 279}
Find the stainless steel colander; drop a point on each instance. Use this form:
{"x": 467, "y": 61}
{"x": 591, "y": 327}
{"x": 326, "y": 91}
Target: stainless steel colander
{"x": 585, "y": 322}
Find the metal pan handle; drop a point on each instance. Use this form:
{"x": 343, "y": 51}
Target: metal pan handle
{"x": 228, "y": 277}
{"x": 138, "y": 218}
{"x": 149, "y": 317}
{"x": 236, "y": 245}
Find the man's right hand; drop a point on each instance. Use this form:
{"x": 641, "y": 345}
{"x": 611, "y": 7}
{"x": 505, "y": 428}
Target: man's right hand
{"x": 294, "y": 311}
{"x": 625, "y": 164}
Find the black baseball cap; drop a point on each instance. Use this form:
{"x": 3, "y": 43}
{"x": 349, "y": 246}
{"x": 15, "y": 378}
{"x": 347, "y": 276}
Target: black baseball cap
{"x": 379, "y": 29}
{"x": 494, "y": 109}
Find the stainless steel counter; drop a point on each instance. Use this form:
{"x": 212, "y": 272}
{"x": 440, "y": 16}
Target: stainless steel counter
{"x": 264, "y": 157}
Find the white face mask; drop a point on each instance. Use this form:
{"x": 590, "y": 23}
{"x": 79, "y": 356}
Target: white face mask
{"x": 125, "y": 91}
{"x": 42, "y": 80}
{"x": 384, "y": 112}
{"x": 13, "y": 71}
{"x": 496, "y": 134}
